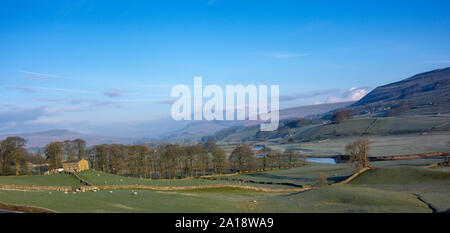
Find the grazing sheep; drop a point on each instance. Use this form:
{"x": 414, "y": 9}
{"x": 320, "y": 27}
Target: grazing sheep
{"x": 110, "y": 191}
{"x": 50, "y": 193}
{"x": 65, "y": 192}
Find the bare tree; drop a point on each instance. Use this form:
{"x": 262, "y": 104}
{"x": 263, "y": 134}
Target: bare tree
{"x": 341, "y": 116}
{"x": 321, "y": 179}
{"x": 359, "y": 153}
{"x": 291, "y": 157}
{"x": 69, "y": 149}
{"x": 39, "y": 160}
{"x": 80, "y": 147}
{"x": 54, "y": 152}
{"x": 242, "y": 158}
{"x": 219, "y": 159}
{"x": 272, "y": 158}
{"x": 446, "y": 161}
{"x": 12, "y": 152}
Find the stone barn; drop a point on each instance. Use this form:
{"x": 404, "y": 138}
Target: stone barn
{"x": 76, "y": 165}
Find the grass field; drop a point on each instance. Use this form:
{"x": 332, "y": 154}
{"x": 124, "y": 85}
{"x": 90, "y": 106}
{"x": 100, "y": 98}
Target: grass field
{"x": 394, "y": 186}
{"x": 99, "y": 178}
{"x": 380, "y": 145}
{"x": 305, "y": 175}
{"x": 348, "y": 199}
{"x": 382, "y": 127}
{"x": 432, "y": 185}
{"x": 48, "y": 180}
{"x": 398, "y": 125}
{"x": 341, "y": 198}
{"x": 407, "y": 163}
{"x": 124, "y": 201}
{"x": 403, "y": 176}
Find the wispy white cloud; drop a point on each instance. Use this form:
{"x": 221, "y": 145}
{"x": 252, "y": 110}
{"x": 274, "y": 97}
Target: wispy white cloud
{"x": 351, "y": 94}
{"x": 17, "y": 115}
{"x": 47, "y": 120}
{"x": 67, "y": 90}
{"x": 113, "y": 93}
{"x": 329, "y": 95}
{"x": 23, "y": 88}
{"x": 168, "y": 101}
{"x": 287, "y": 54}
{"x": 41, "y": 76}
{"x": 89, "y": 102}
{"x": 310, "y": 94}
{"x": 37, "y": 89}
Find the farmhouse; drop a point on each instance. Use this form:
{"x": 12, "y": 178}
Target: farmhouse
{"x": 76, "y": 165}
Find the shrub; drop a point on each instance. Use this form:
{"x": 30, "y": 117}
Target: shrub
{"x": 359, "y": 153}
{"x": 341, "y": 116}
{"x": 321, "y": 179}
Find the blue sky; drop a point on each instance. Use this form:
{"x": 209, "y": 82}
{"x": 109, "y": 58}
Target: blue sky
{"x": 92, "y": 66}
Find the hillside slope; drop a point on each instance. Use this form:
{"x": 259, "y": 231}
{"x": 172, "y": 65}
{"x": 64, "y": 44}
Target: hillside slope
{"x": 418, "y": 104}
{"x": 197, "y": 129}
{"x": 431, "y": 87}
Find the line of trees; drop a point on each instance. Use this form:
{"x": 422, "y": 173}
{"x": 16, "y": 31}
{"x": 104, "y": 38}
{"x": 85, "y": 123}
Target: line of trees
{"x": 56, "y": 152}
{"x": 13, "y": 156}
{"x": 167, "y": 161}
{"x": 175, "y": 161}
{"x": 162, "y": 161}
{"x": 341, "y": 116}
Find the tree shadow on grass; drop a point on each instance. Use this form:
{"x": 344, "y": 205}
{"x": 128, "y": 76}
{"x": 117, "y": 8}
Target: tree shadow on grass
{"x": 275, "y": 177}
{"x": 445, "y": 211}
{"x": 304, "y": 180}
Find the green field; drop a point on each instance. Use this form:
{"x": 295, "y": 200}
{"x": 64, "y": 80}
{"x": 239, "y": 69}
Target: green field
{"x": 49, "y": 180}
{"x": 432, "y": 185}
{"x": 383, "y": 126}
{"x": 341, "y": 198}
{"x": 404, "y": 144}
{"x": 393, "y": 186}
{"x": 124, "y": 201}
{"x": 305, "y": 175}
{"x": 99, "y": 178}
{"x": 401, "y": 135}
{"x": 348, "y": 199}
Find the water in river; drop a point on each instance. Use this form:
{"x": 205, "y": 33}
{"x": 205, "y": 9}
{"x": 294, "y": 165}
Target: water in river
{"x": 322, "y": 160}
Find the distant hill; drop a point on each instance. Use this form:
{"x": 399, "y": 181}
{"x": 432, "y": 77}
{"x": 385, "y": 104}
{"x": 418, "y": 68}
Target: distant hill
{"x": 422, "y": 101}
{"x": 311, "y": 110}
{"x": 193, "y": 131}
{"x": 42, "y": 138}
{"x": 427, "y": 88}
